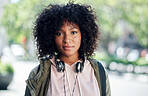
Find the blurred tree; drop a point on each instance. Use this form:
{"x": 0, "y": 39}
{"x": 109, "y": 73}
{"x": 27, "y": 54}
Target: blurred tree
{"x": 115, "y": 14}
{"x": 135, "y": 13}
{"x": 18, "y": 18}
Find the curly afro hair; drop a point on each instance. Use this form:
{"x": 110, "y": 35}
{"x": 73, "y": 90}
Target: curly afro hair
{"x": 52, "y": 18}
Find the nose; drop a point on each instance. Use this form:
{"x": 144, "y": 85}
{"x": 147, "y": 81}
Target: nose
{"x": 66, "y": 38}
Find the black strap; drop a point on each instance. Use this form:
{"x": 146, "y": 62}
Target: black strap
{"x": 102, "y": 78}
{"x": 27, "y": 92}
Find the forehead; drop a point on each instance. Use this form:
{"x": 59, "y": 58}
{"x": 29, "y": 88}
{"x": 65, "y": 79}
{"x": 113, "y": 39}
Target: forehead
{"x": 70, "y": 24}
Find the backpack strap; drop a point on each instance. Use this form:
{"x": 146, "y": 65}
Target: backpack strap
{"x": 100, "y": 75}
{"x": 102, "y": 78}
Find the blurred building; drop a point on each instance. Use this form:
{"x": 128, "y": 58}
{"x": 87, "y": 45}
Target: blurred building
{"x": 3, "y": 35}
{"x": 131, "y": 41}
{"x": 128, "y": 39}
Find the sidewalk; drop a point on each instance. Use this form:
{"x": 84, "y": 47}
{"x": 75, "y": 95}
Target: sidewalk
{"x": 21, "y": 72}
{"x": 128, "y": 84}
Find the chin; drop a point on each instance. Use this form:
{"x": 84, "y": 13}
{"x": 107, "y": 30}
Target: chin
{"x": 67, "y": 54}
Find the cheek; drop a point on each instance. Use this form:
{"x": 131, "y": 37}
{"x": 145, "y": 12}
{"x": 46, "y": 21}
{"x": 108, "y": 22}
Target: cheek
{"x": 58, "y": 42}
{"x": 78, "y": 41}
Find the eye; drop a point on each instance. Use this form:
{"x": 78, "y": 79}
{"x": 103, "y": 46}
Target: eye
{"x": 58, "y": 33}
{"x": 74, "y": 32}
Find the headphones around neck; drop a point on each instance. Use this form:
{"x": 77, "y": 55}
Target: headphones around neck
{"x": 60, "y": 65}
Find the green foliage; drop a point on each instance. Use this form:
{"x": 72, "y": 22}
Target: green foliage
{"x": 113, "y": 15}
{"x": 135, "y": 14}
{"x": 120, "y": 16}
{"x": 142, "y": 62}
{"x": 108, "y": 59}
{"x": 6, "y": 68}
{"x": 17, "y": 19}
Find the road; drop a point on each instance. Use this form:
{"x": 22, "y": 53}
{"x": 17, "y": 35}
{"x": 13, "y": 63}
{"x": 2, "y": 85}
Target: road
{"x": 121, "y": 84}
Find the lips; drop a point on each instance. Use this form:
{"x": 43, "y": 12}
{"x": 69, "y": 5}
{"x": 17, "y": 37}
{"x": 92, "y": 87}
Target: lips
{"x": 67, "y": 47}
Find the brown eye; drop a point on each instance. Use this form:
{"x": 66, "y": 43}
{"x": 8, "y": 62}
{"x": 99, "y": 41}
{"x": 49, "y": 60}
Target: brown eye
{"x": 58, "y": 34}
{"x": 74, "y": 32}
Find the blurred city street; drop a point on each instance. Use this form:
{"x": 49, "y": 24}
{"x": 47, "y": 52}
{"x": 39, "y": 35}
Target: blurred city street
{"x": 122, "y": 46}
{"x": 121, "y": 85}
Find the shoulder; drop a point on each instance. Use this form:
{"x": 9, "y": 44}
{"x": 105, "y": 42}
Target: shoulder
{"x": 101, "y": 76}
{"x": 97, "y": 66}
{"x": 39, "y": 68}
{"x": 34, "y": 71}
{"x": 93, "y": 62}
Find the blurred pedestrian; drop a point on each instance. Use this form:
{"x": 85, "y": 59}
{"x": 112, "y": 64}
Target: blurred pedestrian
{"x": 66, "y": 37}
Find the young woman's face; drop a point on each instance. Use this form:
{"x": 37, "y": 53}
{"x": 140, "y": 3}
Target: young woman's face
{"x": 68, "y": 40}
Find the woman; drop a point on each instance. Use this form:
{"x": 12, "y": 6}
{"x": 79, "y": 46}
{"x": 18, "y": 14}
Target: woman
{"x": 66, "y": 36}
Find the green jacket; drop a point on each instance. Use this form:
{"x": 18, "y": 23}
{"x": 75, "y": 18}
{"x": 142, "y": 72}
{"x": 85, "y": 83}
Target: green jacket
{"x": 38, "y": 81}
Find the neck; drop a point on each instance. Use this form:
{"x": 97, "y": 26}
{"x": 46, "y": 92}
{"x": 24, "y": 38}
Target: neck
{"x": 69, "y": 60}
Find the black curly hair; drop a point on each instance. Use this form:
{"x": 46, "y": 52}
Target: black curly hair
{"x": 52, "y": 18}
